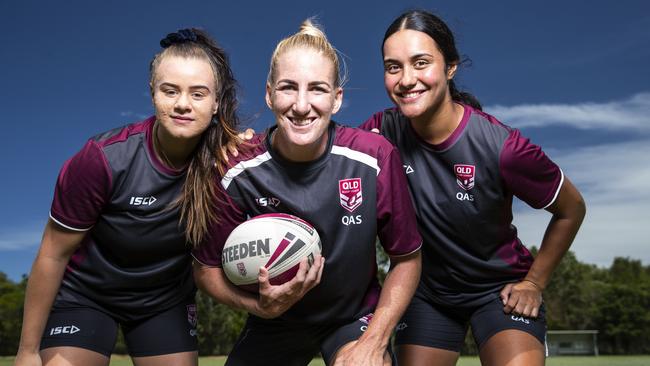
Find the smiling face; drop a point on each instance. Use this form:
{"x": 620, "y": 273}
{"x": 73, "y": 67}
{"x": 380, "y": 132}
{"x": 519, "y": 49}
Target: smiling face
{"x": 184, "y": 96}
{"x": 303, "y": 96}
{"x": 415, "y": 74}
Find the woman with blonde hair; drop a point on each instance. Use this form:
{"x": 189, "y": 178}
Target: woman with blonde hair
{"x": 336, "y": 308}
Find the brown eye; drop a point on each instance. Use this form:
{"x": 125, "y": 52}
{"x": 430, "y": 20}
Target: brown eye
{"x": 391, "y": 68}
{"x": 420, "y": 64}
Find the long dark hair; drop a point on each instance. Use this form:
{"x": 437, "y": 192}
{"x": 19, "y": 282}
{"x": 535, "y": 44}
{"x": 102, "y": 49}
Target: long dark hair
{"x": 200, "y": 191}
{"x": 434, "y": 27}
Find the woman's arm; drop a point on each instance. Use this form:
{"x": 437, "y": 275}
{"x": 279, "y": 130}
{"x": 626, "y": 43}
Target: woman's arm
{"x": 525, "y": 297}
{"x": 272, "y": 301}
{"x": 57, "y": 246}
{"x": 396, "y": 294}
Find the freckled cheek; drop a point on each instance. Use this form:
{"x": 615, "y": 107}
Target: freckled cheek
{"x": 281, "y": 105}
{"x": 162, "y": 107}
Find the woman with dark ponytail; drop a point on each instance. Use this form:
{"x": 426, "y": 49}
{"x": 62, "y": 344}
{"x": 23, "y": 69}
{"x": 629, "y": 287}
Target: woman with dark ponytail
{"x": 115, "y": 251}
{"x": 463, "y": 168}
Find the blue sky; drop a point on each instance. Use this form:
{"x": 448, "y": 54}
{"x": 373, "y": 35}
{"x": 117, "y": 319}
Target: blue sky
{"x": 573, "y": 75}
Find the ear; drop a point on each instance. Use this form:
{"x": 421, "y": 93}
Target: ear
{"x": 267, "y": 97}
{"x": 215, "y": 109}
{"x": 451, "y": 71}
{"x": 338, "y": 100}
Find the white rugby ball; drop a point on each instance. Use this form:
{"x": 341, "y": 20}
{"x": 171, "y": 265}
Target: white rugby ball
{"x": 276, "y": 241}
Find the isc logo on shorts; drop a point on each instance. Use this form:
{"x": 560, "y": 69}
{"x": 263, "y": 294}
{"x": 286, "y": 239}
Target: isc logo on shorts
{"x": 68, "y": 329}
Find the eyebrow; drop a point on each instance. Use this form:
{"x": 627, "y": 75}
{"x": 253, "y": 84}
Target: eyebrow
{"x": 416, "y": 56}
{"x": 193, "y": 87}
{"x": 313, "y": 83}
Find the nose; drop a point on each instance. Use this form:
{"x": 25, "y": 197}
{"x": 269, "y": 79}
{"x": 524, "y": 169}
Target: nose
{"x": 302, "y": 105}
{"x": 183, "y": 102}
{"x": 408, "y": 79}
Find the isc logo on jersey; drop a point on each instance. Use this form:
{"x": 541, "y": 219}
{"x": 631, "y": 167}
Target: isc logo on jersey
{"x": 142, "y": 201}
{"x": 267, "y": 201}
{"x": 465, "y": 178}
{"x": 68, "y": 329}
{"x": 350, "y": 197}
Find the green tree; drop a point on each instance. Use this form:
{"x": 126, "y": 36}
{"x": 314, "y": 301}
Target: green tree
{"x": 11, "y": 313}
{"x": 623, "y": 308}
{"x": 570, "y": 295}
{"x": 218, "y": 326}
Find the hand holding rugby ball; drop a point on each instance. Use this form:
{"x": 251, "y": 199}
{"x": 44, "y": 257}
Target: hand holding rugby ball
{"x": 275, "y": 241}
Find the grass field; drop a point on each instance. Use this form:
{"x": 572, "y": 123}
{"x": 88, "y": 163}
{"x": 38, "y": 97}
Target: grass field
{"x": 464, "y": 361}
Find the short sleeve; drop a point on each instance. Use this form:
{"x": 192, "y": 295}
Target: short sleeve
{"x": 528, "y": 173}
{"x": 373, "y": 122}
{"x": 229, "y": 217}
{"x": 82, "y": 189}
{"x": 397, "y": 225}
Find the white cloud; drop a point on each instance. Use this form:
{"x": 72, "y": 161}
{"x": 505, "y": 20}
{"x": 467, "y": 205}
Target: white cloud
{"x": 632, "y": 113}
{"x": 21, "y": 238}
{"x": 613, "y": 179}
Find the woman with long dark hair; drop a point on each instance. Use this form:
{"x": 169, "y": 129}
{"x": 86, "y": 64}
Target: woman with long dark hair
{"x": 115, "y": 251}
{"x": 464, "y": 167}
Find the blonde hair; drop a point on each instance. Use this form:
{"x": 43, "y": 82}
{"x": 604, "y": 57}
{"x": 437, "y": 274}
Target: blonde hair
{"x": 310, "y": 36}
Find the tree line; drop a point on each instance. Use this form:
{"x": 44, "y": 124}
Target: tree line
{"x": 615, "y": 301}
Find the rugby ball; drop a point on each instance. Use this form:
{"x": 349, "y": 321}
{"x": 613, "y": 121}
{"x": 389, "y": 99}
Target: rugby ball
{"x": 276, "y": 241}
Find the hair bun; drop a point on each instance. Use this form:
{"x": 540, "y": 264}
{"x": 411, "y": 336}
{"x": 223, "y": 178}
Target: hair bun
{"x": 182, "y": 36}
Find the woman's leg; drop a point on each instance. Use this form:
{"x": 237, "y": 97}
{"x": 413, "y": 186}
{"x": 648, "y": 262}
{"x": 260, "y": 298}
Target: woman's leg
{"x": 72, "y": 356}
{"x": 414, "y": 355}
{"x": 513, "y": 347}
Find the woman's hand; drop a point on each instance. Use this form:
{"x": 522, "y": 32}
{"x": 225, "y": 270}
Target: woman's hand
{"x": 28, "y": 359}
{"x": 275, "y": 300}
{"x": 231, "y": 146}
{"x": 358, "y": 353}
{"x": 522, "y": 298}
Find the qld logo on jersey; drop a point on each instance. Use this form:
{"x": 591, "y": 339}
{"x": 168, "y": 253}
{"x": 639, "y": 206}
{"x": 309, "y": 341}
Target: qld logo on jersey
{"x": 465, "y": 175}
{"x": 350, "y": 193}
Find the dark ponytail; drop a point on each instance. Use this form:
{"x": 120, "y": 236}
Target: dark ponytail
{"x": 200, "y": 191}
{"x": 434, "y": 27}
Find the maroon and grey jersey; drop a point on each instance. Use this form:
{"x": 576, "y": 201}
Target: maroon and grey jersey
{"x": 353, "y": 193}
{"x": 134, "y": 259}
{"x": 462, "y": 190}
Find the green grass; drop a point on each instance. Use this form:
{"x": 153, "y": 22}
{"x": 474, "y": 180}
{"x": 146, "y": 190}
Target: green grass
{"x": 464, "y": 361}
{"x": 578, "y": 361}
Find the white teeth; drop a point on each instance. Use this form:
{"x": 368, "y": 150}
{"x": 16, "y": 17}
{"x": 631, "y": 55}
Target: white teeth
{"x": 410, "y": 95}
{"x": 301, "y": 122}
